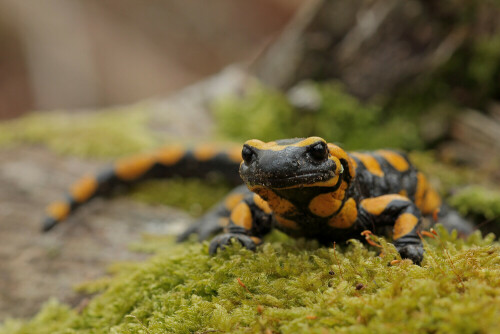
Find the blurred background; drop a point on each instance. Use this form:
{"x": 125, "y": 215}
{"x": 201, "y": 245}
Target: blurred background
{"x": 83, "y": 82}
{"x": 85, "y": 54}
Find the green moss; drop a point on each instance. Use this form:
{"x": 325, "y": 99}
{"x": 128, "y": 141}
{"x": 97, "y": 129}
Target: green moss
{"x": 267, "y": 114}
{"x": 476, "y": 200}
{"x": 109, "y": 133}
{"x": 193, "y": 195}
{"x": 293, "y": 287}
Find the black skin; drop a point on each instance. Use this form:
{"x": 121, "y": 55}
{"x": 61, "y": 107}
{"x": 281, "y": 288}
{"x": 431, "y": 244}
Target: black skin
{"x": 304, "y": 187}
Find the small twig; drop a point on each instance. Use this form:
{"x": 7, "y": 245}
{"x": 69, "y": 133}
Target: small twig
{"x": 243, "y": 285}
{"x": 428, "y": 234}
{"x": 367, "y": 234}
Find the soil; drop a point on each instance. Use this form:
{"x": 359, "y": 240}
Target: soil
{"x": 36, "y": 266}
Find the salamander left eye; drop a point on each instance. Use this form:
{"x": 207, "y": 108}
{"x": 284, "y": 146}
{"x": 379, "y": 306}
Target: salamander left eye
{"x": 319, "y": 151}
{"x": 247, "y": 154}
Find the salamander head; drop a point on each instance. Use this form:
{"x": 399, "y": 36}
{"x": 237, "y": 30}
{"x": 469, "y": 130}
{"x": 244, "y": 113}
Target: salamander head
{"x": 289, "y": 163}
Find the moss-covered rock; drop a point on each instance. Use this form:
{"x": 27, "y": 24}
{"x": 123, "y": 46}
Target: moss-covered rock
{"x": 267, "y": 114}
{"x": 292, "y": 287}
{"x": 108, "y": 133}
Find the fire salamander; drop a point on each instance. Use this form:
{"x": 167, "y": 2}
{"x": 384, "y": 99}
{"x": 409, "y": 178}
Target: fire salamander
{"x": 303, "y": 187}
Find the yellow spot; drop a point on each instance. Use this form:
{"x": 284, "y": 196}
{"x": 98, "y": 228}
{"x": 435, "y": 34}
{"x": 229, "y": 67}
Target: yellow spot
{"x": 83, "y": 188}
{"x": 404, "y": 225}
{"x": 133, "y": 167}
{"x": 426, "y": 198}
{"x": 261, "y": 204}
{"x": 242, "y": 216}
{"x": 396, "y": 160}
{"x": 354, "y": 164}
{"x": 223, "y": 222}
{"x": 324, "y": 205}
{"x": 338, "y": 165}
{"x": 404, "y": 193}
{"x": 370, "y": 163}
{"x": 341, "y": 154}
{"x": 170, "y": 155}
{"x": 288, "y": 223}
{"x": 232, "y": 200}
{"x": 432, "y": 202}
{"x": 273, "y": 146}
{"x": 422, "y": 186}
{"x": 205, "y": 152}
{"x": 58, "y": 210}
{"x": 234, "y": 154}
{"x": 346, "y": 217}
{"x": 256, "y": 240}
{"x": 278, "y": 204}
{"x": 377, "y": 205}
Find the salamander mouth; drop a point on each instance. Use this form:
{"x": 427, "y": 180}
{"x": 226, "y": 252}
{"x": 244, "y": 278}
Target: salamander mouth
{"x": 297, "y": 180}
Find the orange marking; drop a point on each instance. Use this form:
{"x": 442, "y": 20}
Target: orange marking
{"x": 170, "y": 155}
{"x": 422, "y": 186}
{"x": 133, "y": 167}
{"x": 354, "y": 164}
{"x": 288, "y": 223}
{"x": 404, "y": 225}
{"x": 395, "y": 159}
{"x": 232, "y": 200}
{"x": 278, "y": 204}
{"x": 377, "y": 205}
{"x": 311, "y": 317}
{"x": 223, "y": 222}
{"x": 273, "y": 146}
{"x": 324, "y": 205}
{"x": 58, "y": 210}
{"x": 370, "y": 163}
{"x": 346, "y": 217}
{"x": 242, "y": 216}
{"x": 205, "y": 152}
{"x": 261, "y": 203}
{"x": 432, "y": 202}
{"x": 341, "y": 154}
{"x": 83, "y": 189}
{"x": 234, "y": 154}
{"x": 339, "y": 168}
{"x": 256, "y": 240}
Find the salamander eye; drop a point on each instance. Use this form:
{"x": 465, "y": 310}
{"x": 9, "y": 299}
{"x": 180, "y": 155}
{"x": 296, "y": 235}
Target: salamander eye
{"x": 318, "y": 151}
{"x": 247, "y": 154}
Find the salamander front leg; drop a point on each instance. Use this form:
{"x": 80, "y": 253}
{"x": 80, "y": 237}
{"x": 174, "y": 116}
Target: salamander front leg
{"x": 404, "y": 216}
{"x": 248, "y": 223}
{"x": 214, "y": 221}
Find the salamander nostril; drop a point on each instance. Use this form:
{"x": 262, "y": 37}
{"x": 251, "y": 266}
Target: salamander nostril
{"x": 318, "y": 151}
{"x": 247, "y": 154}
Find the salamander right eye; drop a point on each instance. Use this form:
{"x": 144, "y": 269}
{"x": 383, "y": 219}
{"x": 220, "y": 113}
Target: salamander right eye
{"x": 319, "y": 151}
{"x": 247, "y": 154}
